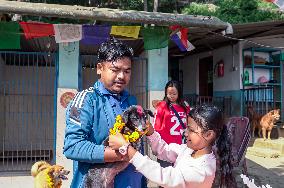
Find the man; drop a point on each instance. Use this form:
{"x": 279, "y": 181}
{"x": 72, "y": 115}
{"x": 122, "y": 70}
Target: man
{"x": 92, "y": 113}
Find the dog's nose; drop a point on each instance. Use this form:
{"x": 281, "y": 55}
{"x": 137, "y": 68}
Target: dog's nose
{"x": 67, "y": 172}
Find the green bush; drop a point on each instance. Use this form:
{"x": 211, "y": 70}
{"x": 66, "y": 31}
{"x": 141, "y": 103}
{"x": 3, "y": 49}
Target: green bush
{"x": 236, "y": 11}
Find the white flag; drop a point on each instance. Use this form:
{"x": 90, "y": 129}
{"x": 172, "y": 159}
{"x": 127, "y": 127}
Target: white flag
{"x": 67, "y": 32}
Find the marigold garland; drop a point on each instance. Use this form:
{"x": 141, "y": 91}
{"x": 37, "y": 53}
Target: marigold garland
{"x": 118, "y": 126}
{"x": 49, "y": 180}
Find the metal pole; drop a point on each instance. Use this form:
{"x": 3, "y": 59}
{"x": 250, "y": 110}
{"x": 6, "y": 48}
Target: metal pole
{"x": 106, "y": 14}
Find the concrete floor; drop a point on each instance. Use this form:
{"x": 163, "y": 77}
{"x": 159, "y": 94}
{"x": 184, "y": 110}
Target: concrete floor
{"x": 262, "y": 170}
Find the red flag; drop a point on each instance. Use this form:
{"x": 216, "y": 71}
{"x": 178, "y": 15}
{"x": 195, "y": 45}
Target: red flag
{"x": 175, "y": 27}
{"x": 183, "y": 33}
{"x": 37, "y": 29}
{"x": 183, "y": 38}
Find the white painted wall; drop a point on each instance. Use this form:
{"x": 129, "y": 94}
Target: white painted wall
{"x": 60, "y": 135}
{"x": 190, "y": 67}
{"x": 230, "y": 56}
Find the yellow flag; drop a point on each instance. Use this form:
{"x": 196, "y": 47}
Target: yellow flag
{"x": 126, "y": 31}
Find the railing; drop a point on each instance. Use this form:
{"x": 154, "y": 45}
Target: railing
{"x": 261, "y": 99}
{"x": 224, "y": 103}
{"x": 27, "y": 102}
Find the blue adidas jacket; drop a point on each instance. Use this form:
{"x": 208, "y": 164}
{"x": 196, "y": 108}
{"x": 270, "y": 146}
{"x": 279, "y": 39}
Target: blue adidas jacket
{"x": 89, "y": 116}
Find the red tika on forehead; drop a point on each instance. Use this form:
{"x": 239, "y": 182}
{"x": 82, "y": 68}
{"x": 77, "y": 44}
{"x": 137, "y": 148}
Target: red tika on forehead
{"x": 140, "y": 110}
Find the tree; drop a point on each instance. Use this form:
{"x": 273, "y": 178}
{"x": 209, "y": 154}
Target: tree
{"x": 146, "y": 5}
{"x": 236, "y": 11}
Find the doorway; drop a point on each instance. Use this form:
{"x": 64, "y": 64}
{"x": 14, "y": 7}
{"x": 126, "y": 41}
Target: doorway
{"x": 174, "y": 72}
{"x": 206, "y": 76}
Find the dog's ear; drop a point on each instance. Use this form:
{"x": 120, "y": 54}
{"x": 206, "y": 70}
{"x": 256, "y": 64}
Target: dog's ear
{"x": 126, "y": 113}
{"x": 51, "y": 171}
{"x": 149, "y": 112}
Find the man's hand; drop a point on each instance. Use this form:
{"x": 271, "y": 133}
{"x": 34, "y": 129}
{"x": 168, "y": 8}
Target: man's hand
{"x": 111, "y": 155}
{"x": 116, "y": 141}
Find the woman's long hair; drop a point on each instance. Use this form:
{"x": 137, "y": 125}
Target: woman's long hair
{"x": 180, "y": 100}
{"x": 209, "y": 117}
{"x": 224, "y": 152}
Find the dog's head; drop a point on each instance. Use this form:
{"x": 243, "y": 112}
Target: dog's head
{"x": 275, "y": 114}
{"x": 250, "y": 108}
{"x": 58, "y": 173}
{"x": 135, "y": 118}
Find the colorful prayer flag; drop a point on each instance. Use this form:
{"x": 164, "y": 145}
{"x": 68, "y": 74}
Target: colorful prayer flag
{"x": 95, "y": 34}
{"x": 183, "y": 31}
{"x": 126, "y": 31}
{"x": 279, "y": 3}
{"x": 155, "y": 37}
{"x": 10, "y": 35}
{"x": 177, "y": 38}
{"x": 67, "y": 32}
{"x": 37, "y": 29}
{"x": 183, "y": 36}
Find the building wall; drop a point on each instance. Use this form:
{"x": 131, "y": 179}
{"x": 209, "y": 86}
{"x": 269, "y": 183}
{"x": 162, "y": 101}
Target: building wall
{"x": 231, "y": 83}
{"x": 222, "y": 86}
{"x": 158, "y": 69}
{"x": 230, "y": 56}
{"x": 2, "y": 63}
{"x": 190, "y": 67}
{"x": 2, "y": 108}
{"x": 68, "y": 65}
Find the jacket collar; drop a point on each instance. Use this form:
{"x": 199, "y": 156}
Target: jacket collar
{"x": 101, "y": 90}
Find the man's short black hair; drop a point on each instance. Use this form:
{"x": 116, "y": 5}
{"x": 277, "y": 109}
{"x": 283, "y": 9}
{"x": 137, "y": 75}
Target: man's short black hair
{"x": 113, "y": 50}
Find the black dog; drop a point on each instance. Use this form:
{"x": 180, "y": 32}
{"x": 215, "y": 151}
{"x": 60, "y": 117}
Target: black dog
{"x": 102, "y": 175}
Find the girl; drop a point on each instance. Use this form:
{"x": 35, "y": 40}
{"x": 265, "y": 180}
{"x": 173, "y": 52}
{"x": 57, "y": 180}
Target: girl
{"x": 166, "y": 122}
{"x": 194, "y": 162}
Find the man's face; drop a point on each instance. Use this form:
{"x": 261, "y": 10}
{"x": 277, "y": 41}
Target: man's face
{"x": 115, "y": 75}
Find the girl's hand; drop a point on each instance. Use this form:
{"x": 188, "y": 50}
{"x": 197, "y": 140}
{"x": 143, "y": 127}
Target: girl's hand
{"x": 116, "y": 141}
{"x": 150, "y": 129}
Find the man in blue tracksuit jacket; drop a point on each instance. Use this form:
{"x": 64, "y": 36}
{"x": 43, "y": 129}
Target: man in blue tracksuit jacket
{"x": 92, "y": 112}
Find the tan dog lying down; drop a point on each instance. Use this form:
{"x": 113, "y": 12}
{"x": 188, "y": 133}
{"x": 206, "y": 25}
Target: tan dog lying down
{"x": 267, "y": 122}
{"x": 47, "y": 176}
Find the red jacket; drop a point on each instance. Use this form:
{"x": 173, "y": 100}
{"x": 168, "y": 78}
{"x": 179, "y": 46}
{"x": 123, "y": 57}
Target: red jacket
{"x": 167, "y": 124}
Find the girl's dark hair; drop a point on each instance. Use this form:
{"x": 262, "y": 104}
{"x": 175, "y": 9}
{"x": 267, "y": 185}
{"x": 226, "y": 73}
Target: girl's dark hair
{"x": 210, "y": 117}
{"x": 177, "y": 85}
{"x": 113, "y": 50}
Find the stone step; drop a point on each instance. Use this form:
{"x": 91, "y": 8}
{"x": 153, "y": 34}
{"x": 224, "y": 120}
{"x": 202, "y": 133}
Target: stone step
{"x": 275, "y": 144}
{"x": 263, "y": 152}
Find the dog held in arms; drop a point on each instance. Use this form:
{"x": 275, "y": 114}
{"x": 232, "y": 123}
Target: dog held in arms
{"x": 102, "y": 175}
{"x": 267, "y": 122}
{"x": 48, "y": 176}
